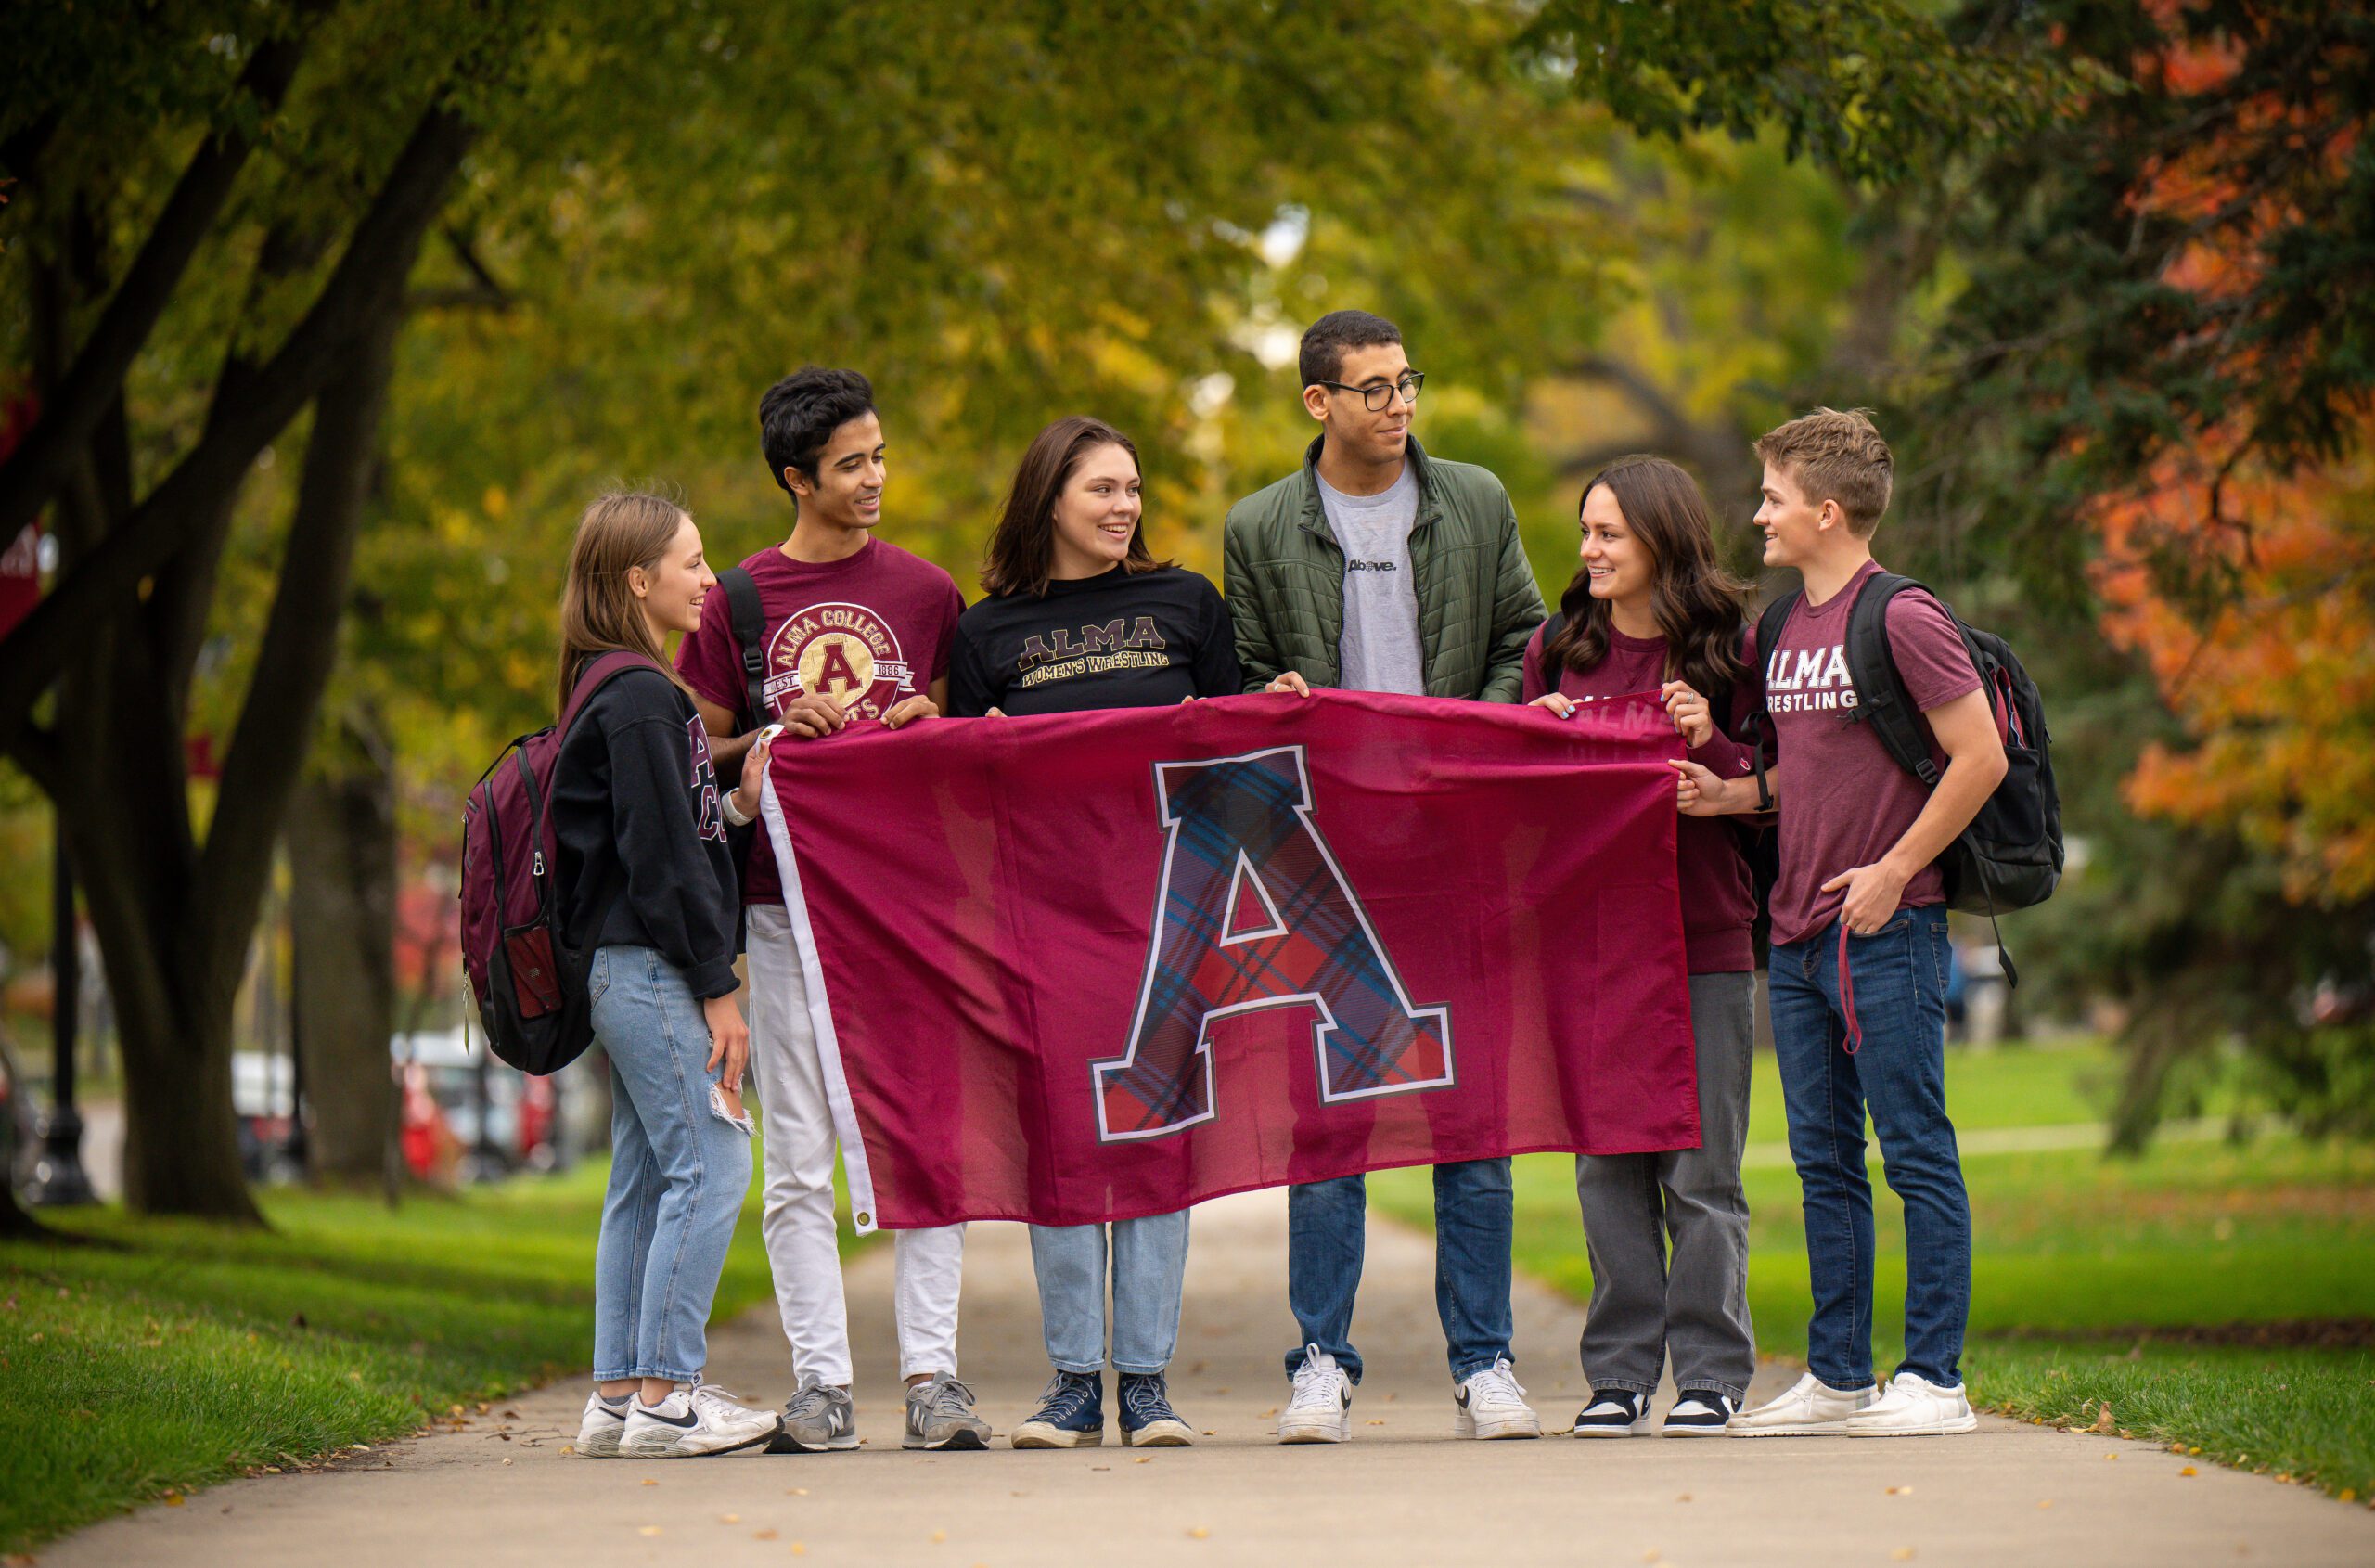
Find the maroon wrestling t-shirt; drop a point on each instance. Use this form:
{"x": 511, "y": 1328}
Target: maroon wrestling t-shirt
{"x": 1845, "y": 802}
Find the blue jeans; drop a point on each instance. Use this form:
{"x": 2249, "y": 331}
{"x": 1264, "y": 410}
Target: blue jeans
{"x": 1327, "y": 1234}
{"x": 1149, "y": 1268}
{"x": 678, "y": 1173}
{"x": 1897, "y": 982}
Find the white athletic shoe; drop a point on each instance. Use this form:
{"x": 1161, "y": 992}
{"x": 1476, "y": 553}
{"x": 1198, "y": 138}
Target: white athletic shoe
{"x": 1811, "y": 1409}
{"x": 1321, "y": 1409}
{"x": 689, "y": 1423}
{"x": 1914, "y": 1407}
{"x": 1489, "y": 1404}
{"x": 598, "y": 1431}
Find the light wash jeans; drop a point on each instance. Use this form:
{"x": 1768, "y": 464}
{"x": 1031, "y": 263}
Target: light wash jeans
{"x": 678, "y": 1173}
{"x": 1150, "y": 1269}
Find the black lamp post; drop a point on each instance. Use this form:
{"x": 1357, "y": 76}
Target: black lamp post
{"x": 59, "y": 1177}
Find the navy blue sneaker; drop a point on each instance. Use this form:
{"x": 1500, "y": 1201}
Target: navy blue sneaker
{"x": 1070, "y": 1414}
{"x": 1148, "y": 1419}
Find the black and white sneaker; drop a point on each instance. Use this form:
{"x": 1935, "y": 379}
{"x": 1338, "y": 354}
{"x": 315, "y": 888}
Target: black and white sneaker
{"x": 1700, "y": 1412}
{"x": 702, "y": 1420}
{"x": 1618, "y": 1413}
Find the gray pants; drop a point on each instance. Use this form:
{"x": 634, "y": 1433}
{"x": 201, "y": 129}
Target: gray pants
{"x": 1633, "y": 1204}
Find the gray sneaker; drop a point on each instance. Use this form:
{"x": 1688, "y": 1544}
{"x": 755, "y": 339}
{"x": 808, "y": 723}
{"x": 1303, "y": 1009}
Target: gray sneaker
{"x": 940, "y": 1415}
{"x": 819, "y": 1418}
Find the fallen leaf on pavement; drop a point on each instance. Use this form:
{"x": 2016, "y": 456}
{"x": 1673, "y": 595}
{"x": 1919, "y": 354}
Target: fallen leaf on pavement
{"x": 1900, "y": 1491}
{"x": 649, "y": 1530}
{"x": 763, "y": 1535}
{"x": 729, "y": 1519}
{"x": 2190, "y": 1470}
{"x": 939, "y": 1535}
{"x": 1198, "y": 1532}
{"x": 2103, "y": 1423}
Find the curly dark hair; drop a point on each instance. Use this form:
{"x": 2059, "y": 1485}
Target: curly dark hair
{"x": 799, "y": 415}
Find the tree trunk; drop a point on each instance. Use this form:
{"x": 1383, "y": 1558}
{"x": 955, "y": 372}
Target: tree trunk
{"x": 343, "y": 892}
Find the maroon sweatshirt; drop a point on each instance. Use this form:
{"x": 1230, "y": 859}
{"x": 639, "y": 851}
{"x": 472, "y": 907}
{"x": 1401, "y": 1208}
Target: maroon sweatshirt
{"x": 1718, "y": 899}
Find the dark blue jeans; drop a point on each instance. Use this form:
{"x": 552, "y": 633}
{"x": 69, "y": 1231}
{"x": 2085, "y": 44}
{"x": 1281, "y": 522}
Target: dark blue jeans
{"x": 1327, "y": 1235}
{"x": 1899, "y": 990}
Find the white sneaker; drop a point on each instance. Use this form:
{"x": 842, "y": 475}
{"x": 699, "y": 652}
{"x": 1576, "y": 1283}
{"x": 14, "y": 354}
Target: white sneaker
{"x": 1321, "y": 1409}
{"x": 1914, "y": 1407}
{"x": 600, "y": 1429}
{"x": 1489, "y": 1404}
{"x": 1811, "y": 1409}
{"x": 702, "y": 1420}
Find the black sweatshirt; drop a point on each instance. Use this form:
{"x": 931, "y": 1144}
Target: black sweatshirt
{"x": 1116, "y": 640}
{"x": 638, "y": 821}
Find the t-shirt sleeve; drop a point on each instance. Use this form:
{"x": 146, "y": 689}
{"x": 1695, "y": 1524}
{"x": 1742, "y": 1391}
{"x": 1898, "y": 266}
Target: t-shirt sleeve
{"x": 1217, "y": 671}
{"x": 1929, "y": 652}
{"x": 969, "y": 696}
{"x": 708, "y": 660}
{"x": 1534, "y": 685}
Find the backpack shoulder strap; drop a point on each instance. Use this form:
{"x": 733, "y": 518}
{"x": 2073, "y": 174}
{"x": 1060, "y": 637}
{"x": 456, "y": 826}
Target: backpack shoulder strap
{"x": 1553, "y": 627}
{"x": 1759, "y": 730}
{"x": 751, "y": 636}
{"x": 596, "y": 675}
{"x": 1881, "y": 699}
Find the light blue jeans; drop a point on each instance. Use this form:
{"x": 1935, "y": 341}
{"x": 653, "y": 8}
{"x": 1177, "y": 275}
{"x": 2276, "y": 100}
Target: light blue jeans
{"x": 678, "y": 1173}
{"x": 1149, "y": 1271}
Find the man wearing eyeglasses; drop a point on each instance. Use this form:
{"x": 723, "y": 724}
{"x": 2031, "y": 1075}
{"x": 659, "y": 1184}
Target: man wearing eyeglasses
{"x": 1377, "y": 568}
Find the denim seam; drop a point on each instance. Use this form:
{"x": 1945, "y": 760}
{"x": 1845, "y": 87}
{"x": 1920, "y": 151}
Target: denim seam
{"x": 701, "y": 1166}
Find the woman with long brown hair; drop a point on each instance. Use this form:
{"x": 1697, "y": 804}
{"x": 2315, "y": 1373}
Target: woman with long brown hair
{"x": 1652, "y": 609}
{"x": 646, "y": 879}
{"x": 1081, "y": 615}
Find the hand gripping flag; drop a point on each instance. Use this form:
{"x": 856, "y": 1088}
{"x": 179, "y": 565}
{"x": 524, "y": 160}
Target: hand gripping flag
{"x": 1093, "y": 966}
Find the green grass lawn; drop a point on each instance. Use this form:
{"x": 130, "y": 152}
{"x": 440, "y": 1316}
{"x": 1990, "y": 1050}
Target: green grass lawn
{"x": 2085, "y": 1270}
{"x": 188, "y": 1353}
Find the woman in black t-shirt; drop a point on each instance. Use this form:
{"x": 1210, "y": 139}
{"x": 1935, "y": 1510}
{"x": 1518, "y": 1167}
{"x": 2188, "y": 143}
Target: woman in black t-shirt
{"x": 1080, "y": 615}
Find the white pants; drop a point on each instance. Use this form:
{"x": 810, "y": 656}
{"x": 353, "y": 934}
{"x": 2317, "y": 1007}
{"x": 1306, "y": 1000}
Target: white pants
{"x": 928, "y": 1265}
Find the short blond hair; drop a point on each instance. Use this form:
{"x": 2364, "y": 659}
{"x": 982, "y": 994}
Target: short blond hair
{"x": 1835, "y": 456}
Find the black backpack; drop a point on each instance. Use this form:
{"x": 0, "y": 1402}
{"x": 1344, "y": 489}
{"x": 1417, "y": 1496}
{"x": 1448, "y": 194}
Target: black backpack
{"x": 2009, "y": 857}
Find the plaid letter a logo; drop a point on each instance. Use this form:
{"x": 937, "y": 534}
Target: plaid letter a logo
{"x": 1240, "y": 835}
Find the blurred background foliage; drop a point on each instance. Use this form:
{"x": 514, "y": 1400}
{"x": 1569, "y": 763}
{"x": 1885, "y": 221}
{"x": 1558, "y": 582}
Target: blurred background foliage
{"x": 2102, "y": 267}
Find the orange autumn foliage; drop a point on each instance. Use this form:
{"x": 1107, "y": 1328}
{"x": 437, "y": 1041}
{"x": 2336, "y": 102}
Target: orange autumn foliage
{"x": 2275, "y": 681}
{"x": 2275, "y": 685}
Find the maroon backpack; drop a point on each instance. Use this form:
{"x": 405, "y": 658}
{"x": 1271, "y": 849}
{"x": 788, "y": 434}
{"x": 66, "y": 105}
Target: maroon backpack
{"x": 525, "y": 971}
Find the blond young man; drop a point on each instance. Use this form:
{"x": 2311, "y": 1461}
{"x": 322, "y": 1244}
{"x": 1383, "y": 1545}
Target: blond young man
{"x": 1859, "y": 965}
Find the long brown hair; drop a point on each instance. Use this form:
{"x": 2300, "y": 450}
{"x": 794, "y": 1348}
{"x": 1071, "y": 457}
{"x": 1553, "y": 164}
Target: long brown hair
{"x": 1022, "y": 545}
{"x": 598, "y": 613}
{"x": 1697, "y": 604}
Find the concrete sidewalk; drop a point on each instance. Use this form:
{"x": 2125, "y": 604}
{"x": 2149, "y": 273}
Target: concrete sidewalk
{"x": 504, "y": 1491}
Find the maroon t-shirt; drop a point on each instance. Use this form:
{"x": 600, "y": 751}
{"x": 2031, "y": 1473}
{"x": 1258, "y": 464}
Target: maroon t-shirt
{"x": 1847, "y": 802}
{"x": 1718, "y": 899}
{"x": 874, "y": 627}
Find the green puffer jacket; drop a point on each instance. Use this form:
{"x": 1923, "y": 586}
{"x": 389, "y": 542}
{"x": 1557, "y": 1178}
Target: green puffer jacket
{"x": 1284, "y": 573}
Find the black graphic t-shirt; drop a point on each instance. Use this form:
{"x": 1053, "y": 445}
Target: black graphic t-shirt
{"x": 1118, "y": 640}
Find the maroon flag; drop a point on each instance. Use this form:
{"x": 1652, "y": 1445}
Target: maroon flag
{"x": 1092, "y": 965}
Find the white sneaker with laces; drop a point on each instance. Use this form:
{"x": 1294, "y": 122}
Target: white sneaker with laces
{"x": 1811, "y": 1409}
{"x": 1914, "y": 1407}
{"x": 692, "y": 1421}
{"x": 1489, "y": 1404}
{"x": 1321, "y": 1409}
{"x": 598, "y": 1431}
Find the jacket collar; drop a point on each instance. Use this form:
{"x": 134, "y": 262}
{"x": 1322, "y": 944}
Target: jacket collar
{"x": 1314, "y": 518}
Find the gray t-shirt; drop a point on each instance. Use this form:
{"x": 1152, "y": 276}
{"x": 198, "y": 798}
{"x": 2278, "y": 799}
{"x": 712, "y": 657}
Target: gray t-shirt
{"x": 1380, "y": 650}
